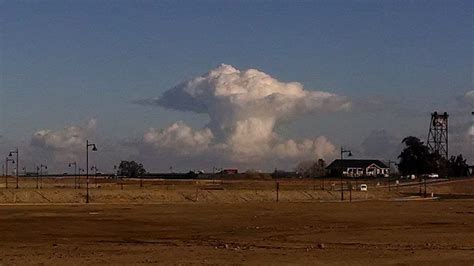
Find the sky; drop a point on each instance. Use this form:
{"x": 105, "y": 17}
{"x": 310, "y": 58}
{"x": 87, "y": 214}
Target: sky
{"x": 102, "y": 70}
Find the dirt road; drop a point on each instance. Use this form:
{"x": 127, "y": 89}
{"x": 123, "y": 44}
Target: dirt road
{"x": 358, "y": 233}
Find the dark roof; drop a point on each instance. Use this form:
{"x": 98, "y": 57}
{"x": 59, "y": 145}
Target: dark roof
{"x": 348, "y": 163}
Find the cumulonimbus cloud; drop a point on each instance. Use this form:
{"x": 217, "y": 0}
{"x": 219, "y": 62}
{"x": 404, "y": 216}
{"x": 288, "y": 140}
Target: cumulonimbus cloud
{"x": 244, "y": 108}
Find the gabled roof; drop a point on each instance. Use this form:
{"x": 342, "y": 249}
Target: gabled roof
{"x": 348, "y": 163}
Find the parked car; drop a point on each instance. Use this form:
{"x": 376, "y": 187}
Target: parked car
{"x": 363, "y": 187}
{"x": 412, "y": 177}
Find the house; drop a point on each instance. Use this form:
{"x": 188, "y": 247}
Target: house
{"x": 358, "y": 168}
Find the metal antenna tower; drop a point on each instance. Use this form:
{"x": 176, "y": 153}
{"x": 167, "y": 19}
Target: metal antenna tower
{"x": 471, "y": 134}
{"x": 438, "y": 134}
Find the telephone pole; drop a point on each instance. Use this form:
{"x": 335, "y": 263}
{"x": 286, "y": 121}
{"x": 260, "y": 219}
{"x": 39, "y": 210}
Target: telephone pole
{"x": 17, "y": 165}
{"x": 349, "y": 154}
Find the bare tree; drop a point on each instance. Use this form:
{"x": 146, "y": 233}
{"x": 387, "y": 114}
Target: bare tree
{"x": 311, "y": 169}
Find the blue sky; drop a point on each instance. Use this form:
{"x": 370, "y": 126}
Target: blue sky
{"x": 64, "y": 62}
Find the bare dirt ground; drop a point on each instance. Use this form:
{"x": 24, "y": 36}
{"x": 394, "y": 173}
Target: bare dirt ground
{"x": 373, "y": 232}
{"x": 61, "y": 190}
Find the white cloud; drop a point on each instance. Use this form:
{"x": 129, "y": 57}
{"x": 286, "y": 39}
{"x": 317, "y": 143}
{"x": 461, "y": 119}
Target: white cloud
{"x": 471, "y": 130}
{"x": 244, "y": 108}
{"x": 318, "y": 148}
{"x": 66, "y": 143}
{"x": 179, "y": 139}
{"x": 469, "y": 96}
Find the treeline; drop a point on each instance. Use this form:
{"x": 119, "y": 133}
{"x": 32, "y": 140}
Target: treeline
{"x": 416, "y": 159}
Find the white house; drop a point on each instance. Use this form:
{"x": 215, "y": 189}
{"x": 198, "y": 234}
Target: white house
{"x": 358, "y": 168}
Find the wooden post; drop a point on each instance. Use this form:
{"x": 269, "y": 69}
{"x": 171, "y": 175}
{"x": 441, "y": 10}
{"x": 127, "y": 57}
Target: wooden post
{"x": 419, "y": 190}
{"x": 350, "y": 192}
{"x": 197, "y": 193}
{"x": 425, "y": 187}
{"x": 277, "y": 190}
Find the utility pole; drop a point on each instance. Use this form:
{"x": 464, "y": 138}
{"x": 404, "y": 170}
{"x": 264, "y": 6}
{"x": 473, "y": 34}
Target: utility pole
{"x": 349, "y": 153}
{"x": 37, "y": 177}
{"x": 390, "y": 173}
{"x": 41, "y": 175}
{"x": 6, "y": 170}
{"x": 75, "y": 173}
{"x": 17, "y": 164}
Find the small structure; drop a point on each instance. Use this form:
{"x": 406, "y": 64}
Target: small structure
{"x": 438, "y": 135}
{"x": 229, "y": 171}
{"x": 358, "y": 168}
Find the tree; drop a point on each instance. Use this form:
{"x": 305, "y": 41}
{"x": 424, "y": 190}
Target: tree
{"x": 131, "y": 169}
{"x": 311, "y": 169}
{"x": 458, "y": 166}
{"x": 416, "y": 158}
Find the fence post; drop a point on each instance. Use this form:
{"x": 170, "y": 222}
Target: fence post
{"x": 277, "y": 190}
{"x": 425, "y": 187}
{"x": 350, "y": 191}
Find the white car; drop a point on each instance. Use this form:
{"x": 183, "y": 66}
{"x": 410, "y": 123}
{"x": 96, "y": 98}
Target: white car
{"x": 433, "y": 175}
{"x": 363, "y": 187}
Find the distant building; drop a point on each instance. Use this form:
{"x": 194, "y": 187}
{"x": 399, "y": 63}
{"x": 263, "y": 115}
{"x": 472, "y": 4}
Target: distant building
{"x": 229, "y": 171}
{"x": 358, "y": 168}
{"x": 284, "y": 174}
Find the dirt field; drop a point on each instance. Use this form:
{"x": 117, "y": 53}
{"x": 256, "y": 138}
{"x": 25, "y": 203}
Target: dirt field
{"x": 182, "y": 191}
{"x": 177, "y": 230}
{"x": 422, "y": 233}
